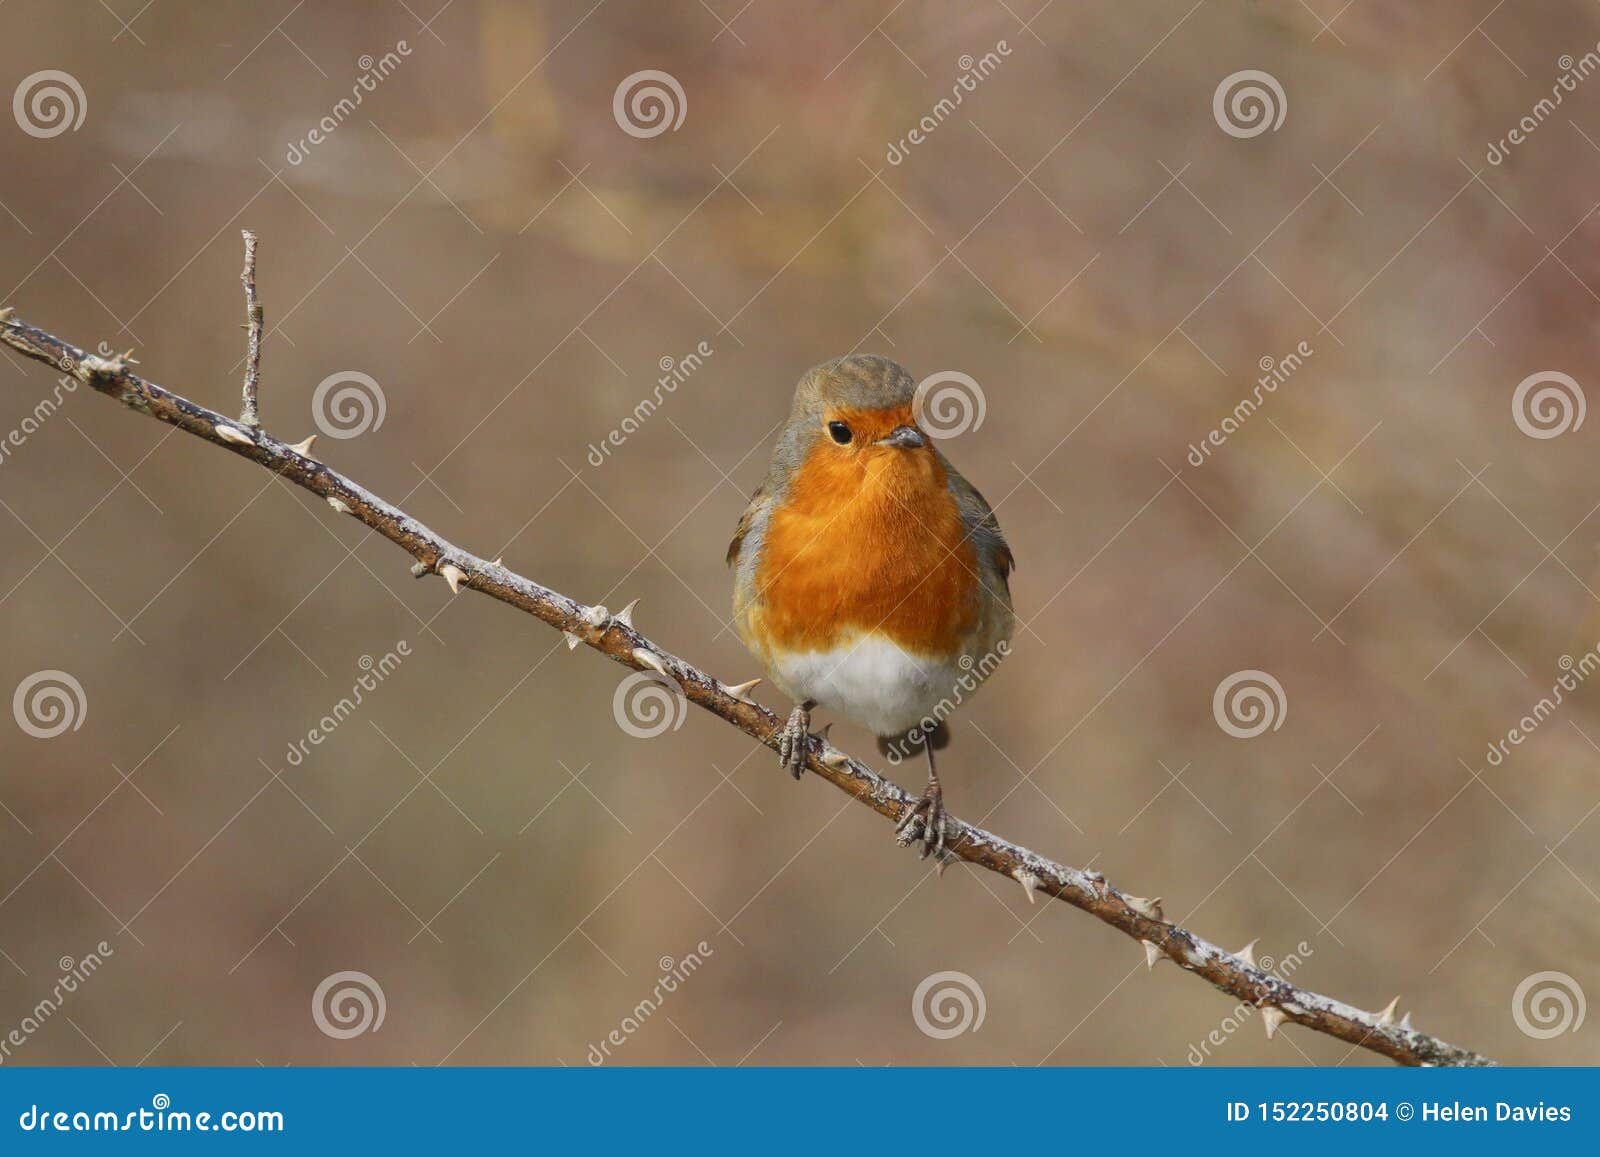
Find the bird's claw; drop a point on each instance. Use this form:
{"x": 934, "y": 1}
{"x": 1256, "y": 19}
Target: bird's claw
{"x": 794, "y": 741}
{"x": 924, "y": 822}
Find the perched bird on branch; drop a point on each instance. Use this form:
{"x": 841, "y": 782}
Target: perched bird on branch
{"x": 870, "y": 577}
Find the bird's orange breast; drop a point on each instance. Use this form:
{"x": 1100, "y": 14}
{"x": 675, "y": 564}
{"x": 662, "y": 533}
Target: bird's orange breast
{"x": 870, "y": 541}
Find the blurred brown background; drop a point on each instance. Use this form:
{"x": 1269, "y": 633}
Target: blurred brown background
{"x": 1082, "y": 237}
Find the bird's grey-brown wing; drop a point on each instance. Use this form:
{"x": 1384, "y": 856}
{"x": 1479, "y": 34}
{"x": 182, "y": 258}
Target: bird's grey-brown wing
{"x": 744, "y": 555}
{"x": 984, "y": 529}
{"x": 753, "y": 513}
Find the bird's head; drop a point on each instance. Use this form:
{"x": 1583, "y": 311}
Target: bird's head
{"x": 857, "y": 406}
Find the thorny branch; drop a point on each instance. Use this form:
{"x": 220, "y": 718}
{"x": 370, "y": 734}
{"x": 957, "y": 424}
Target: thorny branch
{"x": 615, "y": 636}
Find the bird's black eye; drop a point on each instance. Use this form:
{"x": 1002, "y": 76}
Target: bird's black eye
{"x": 839, "y": 432}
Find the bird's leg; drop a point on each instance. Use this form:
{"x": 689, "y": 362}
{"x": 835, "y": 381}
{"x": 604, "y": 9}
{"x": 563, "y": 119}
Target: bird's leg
{"x": 928, "y": 812}
{"x": 794, "y": 741}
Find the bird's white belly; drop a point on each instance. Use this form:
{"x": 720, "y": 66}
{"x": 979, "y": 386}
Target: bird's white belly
{"x": 872, "y": 682}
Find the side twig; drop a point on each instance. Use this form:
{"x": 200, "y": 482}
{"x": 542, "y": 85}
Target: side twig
{"x": 249, "y": 412}
{"x": 615, "y": 636}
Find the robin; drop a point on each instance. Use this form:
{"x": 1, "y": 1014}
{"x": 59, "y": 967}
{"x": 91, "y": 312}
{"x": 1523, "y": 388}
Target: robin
{"x": 870, "y": 577}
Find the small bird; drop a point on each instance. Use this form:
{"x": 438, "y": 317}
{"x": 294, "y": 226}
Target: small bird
{"x": 870, "y": 577}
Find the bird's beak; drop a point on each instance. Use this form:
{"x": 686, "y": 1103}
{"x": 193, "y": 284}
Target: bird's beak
{"x": 904, "y": 438}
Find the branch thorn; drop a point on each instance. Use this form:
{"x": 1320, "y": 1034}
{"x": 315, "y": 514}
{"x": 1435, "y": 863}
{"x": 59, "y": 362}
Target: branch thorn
{"x": 1150, "y": 908}
{"x": 304, "y": 448}
{"x": 231, "y": 434}
{"x": 1387, "y": 1016}
{"x": 1152, "y": 954}
{"x": 625, "y": 615}
{"x": 453, "y": 575}
{"x": 647, "y": 658}
{"x": 1271, "y": 1018}
{"x": 832, "y": 757}
{"x": 1248, "y": 952}
{"x": 741, "y": 691}
{"x": 338, "y": 505}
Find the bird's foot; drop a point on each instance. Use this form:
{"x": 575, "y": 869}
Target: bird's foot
{"x": 794, "y": 741}
{"x": 924, "y": 822}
